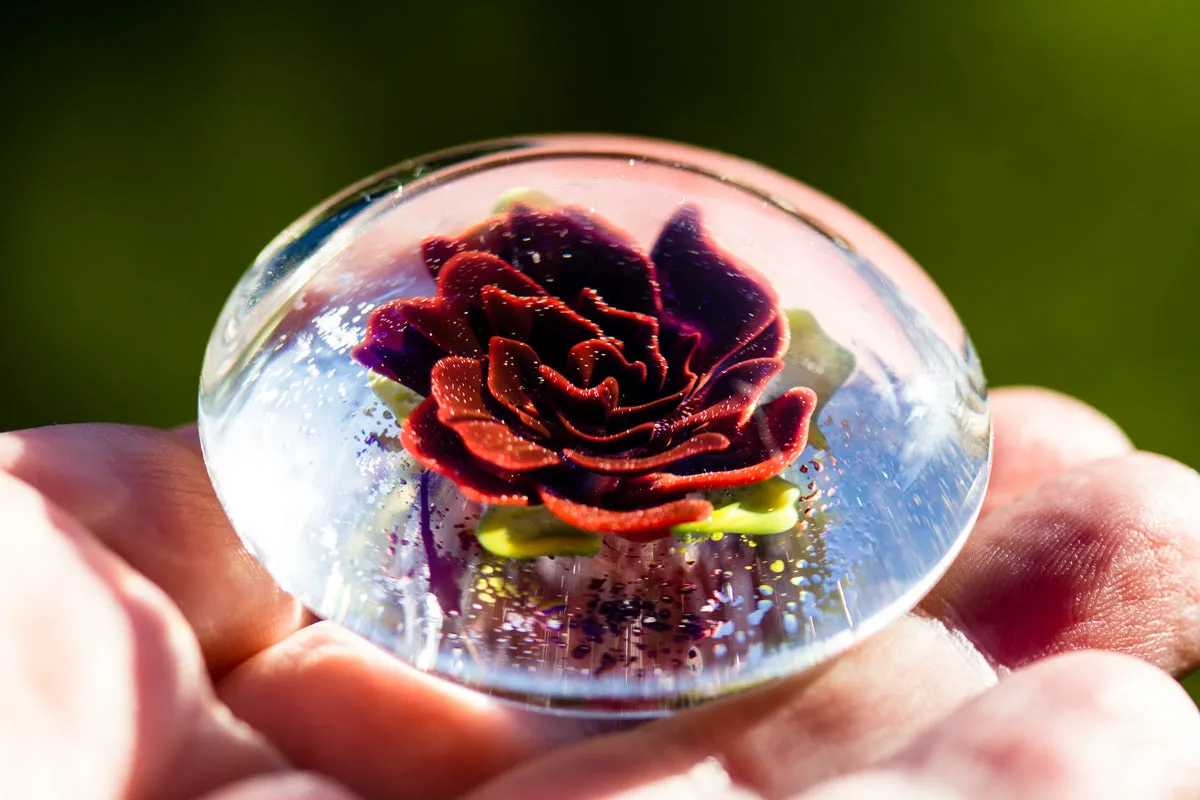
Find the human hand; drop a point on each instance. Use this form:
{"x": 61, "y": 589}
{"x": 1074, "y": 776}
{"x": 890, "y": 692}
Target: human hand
{"x": 135, "y": 623}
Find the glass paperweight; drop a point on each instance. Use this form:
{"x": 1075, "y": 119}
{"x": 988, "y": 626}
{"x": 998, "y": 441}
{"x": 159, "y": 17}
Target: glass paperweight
{"x": 599, "y": 425}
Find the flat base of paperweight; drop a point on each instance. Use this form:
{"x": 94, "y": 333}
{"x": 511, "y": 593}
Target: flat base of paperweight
{"x": 306, "y": 454}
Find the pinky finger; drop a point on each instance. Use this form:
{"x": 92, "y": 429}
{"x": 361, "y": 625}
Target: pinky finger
{"x": 1086, "y": 725}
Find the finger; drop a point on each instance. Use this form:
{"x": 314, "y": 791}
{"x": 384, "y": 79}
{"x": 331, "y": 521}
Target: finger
{"x": 1087, "y": 726}
{"x": 789, "y": 734}
{"x": 335, "y": 704}
{"x": 1040, "y": 433}
{"x": 1103, "y": 556}
{"x": 146, "y": 495}
{"x": 287, "y": 786}
{"x": 101, "y": 683}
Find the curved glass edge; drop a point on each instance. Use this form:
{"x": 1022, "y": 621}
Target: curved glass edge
{"x": 276, "y": 275}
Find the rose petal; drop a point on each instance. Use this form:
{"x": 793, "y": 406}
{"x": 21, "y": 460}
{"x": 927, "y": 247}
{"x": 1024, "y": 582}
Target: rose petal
{"x": 495, "y": 443}
{"x": 597, "y": 359}
{"x": 772, "y": 342}
{"x": 490, "y": 236}
{"x": 457, "y": 384}
{"x": 680, "y": 347}
{"x": 437, "y": 250}
{"x": 620, "y": 442}
{"x": 444, "y": 322}
{"x": 440, "y": 449}
{"x": 512, "y": 367}
{"x": 569, "y": 251}
{"x": 654, "y": 411}
{"x": 394, "y": 349}
{"x": 730, "y": 398}
{"x": 593, "y": 518}
{"x": 584, "y": 406}
{"x": 773, "y": 439}
{"x": 447, "y": 319}
{"x": 637, "y": 334}
{"x": 733, "y": 393}
{"x": 547, "y": 324}
{"x": 729, "y": 304}
{"x": 458, "y": 390}
{"x": 466, "y": 275}
{"x": 703, "y": 443}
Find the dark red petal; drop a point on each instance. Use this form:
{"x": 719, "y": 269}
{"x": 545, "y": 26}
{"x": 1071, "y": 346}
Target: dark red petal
{"x": 567, "y": 251}
{"x": 679, "y": 346}
{"x": 728, "y": 400}
{"x": 512, "y": 369}
{"x": 772, "y": 440}
{"x": 597, "y": 359}
{"x": 637, "y": 333}
{"x": 772, "y": 342}
{"x": 655, "y": 410}
{"x": 467, "y": 274}
{"x": 587, "y": 406}
{"x": 547, "y": 324}
{"x": 447, "y": 319}
{"x": 705, "y": 290}
{"x": 703, "y": 443}
{"x": 437, "y": 250}
{"x": 490, "y": 236}
{"x": 395, "y": 350}
{"x": 734, "y": 393}
{"x": 440, "y": 449}
{"x": 636, "y": 436}
{"x": 458, "y": 388}
{"x": 497, "y": 445}
{"x": 603, "y": 520}
{"x": 493, "y": 235}
{"x": 443, "y": 322}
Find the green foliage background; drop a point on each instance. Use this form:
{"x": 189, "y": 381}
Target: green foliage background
{"x": 1040, "y": 159}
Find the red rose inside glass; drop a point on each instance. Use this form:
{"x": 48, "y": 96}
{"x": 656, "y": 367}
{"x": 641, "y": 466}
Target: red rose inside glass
{"x": 562, "y": 365}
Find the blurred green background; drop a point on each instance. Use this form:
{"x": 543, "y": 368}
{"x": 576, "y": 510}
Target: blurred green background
{"x": 1040, "y": 159}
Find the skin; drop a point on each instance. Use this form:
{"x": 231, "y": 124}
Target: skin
{"x": 146, "y": 654}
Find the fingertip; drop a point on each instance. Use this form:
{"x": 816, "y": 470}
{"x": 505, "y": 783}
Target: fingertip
{"x": 286, "y": 786}
{"x": 1079, "y": 725}
{"x": 1040, "y": 433}
{"x": 1116, "y": 685}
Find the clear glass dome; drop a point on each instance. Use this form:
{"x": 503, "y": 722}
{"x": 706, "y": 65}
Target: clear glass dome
{"x": 789, "y": 470}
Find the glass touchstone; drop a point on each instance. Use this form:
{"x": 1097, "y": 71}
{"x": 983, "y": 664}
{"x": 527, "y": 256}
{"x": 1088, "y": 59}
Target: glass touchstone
{"x": 600, "y": 425}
